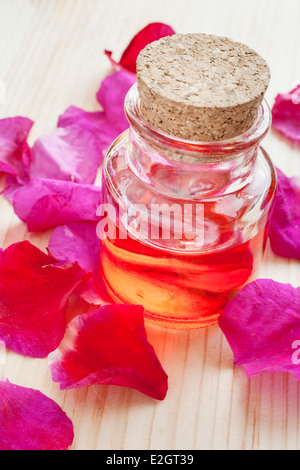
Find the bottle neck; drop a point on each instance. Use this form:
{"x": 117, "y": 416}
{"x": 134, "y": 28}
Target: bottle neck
{"x": 191, "y": 170}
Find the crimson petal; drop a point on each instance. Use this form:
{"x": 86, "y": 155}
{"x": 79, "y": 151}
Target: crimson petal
{"x": 33, "y": 298}
{"x": 152, "y": 32}
{"x": 109, "y": 346}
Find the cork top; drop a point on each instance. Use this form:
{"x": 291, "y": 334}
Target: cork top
{"x": 201, "y": 87}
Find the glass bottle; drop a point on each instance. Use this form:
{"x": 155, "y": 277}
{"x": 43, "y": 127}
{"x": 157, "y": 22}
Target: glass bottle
{"x": 188, "y": 220}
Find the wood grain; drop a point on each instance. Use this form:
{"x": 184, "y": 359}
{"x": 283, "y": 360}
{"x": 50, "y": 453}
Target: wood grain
{"x": 51, "y": 56}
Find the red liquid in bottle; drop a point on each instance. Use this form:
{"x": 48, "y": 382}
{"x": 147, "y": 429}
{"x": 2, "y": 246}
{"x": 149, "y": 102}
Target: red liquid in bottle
{"x": 178, "y": 290}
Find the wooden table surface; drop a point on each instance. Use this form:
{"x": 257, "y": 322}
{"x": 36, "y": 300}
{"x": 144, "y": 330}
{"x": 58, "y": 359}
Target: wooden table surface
{"x": 51, "y": 56}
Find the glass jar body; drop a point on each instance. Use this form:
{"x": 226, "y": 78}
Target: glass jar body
{"x": 185, "y": 224}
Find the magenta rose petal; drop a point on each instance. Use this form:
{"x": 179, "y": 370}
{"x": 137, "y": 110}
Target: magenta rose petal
{"x": 12, "y": 185}
{"x": 33, "y": 298}
{"x": 152, "y": 32}
{"x": 97, "y": 123}
{"x": 88, "y": 120}
{"x": 44, "y": 204}
{"x": 14, "y": 150}
{"x": 78, "y": 242}
{"x": 284, "y": 232}
{"x": 111, "y": 96}
{"x": 29, "y": 420}
{"x": 261, "y": 325}
{"x": 286, "y": 114}
{"x": 70, "y": 154}
{"x": 109, "y": 346}
{"x": 108, "y": 124}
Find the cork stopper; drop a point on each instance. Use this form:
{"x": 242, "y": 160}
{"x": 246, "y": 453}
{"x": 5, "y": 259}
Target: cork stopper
{"x": 201, "y": 87}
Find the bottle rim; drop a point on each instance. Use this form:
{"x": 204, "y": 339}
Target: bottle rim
{"x": 222, "y": 148}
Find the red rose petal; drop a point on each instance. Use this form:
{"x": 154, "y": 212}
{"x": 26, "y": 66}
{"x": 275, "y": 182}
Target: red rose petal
{"x": 70, "y": 153}
{"x": 284, "y": 232}
{"x": 14, "y": 150}
{"x": 43, "y": 203}
{"x": 152, "y": 32}
{"x": 286, "y": 114}
{"x": 31, "y": 421}
{"x": 109, "y": 346}
{"x": 33, "y": 298}
{"x": 261, "y": 325}
{"x": 78, "y": 242}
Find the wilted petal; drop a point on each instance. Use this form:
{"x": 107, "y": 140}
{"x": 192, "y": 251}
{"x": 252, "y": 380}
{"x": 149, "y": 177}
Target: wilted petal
{"x": 109, "y": 346}
{"x": 31, "y": 421}
{"x": 33, "y": 297}
{"x": 261, "y": 325}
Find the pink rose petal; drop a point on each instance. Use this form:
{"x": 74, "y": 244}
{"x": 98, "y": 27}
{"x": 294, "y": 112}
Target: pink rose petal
{"x": 284, "y": 232}
{"x": 109, "y": 346}
{"x": 108, "y": 124}
{"x": 152, "y": 32}
{"x": 88, "y": 120}
{"x": 261, "y": 325}
{"x": 43, "y": 203}
{"x": 286, "y": 114}
{"x": 78, "y": 242}
{"x": 11, "y": 187}
{"x": 96, "y": 122}
{"x": 70, "y": 154}
{"x": 111, "y": 96}
{"x": 31, "y": 421}
{"x": 14, "y": 150}
{"x": 33, "y": 298}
